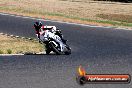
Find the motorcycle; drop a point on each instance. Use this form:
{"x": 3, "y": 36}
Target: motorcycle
{"x": 57, "y": 45}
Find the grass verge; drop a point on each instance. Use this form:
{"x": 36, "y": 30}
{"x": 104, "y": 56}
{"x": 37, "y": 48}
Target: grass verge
{"x": 114, "y": 23}
{"x": 11, "y": 45}
{"x": 77, "y": 11}
{"x": 55, "y": 16}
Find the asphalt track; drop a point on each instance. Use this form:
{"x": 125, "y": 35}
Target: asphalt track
{"x": 98, "y": 50}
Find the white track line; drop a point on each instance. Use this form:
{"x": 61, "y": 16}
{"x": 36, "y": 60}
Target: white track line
{"x": 93, "y": 26}
{"x": 23, "y": 54}
{"x": 11, "y": 54}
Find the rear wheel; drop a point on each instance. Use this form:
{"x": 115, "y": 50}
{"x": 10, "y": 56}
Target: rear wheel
{"x": 48, "y": 51}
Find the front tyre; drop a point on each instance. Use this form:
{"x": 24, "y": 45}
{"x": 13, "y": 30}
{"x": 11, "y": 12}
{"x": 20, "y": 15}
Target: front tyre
{"x": 55, "y": 49}
{"x": 68, "y": 51}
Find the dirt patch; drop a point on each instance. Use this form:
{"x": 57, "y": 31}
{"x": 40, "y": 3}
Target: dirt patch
{"x": 117, "y": 17}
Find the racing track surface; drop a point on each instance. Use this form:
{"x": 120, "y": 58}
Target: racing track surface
{"x": 98, "y": 50}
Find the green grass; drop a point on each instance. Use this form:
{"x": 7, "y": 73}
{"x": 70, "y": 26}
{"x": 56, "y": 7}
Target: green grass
{"x": 9, "y": 51}
{"x": 1, "y": 52}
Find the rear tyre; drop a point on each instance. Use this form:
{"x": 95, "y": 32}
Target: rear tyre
{"x": 48, "y": 52}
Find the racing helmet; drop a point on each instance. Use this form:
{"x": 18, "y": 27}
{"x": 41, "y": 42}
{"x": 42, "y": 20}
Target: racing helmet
{"x": 38, "y": 23}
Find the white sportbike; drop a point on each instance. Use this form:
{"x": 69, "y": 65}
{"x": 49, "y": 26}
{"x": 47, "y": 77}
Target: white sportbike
{"x": 55, "y": 42}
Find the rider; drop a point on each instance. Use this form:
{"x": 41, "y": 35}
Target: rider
{"x": 48, "y": 31}
{"x": 37, "y": 26}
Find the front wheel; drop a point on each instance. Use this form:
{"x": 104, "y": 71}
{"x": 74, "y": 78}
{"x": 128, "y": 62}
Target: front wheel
{"x": 55, "y": 49}
{"x": 68, "y": 51}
